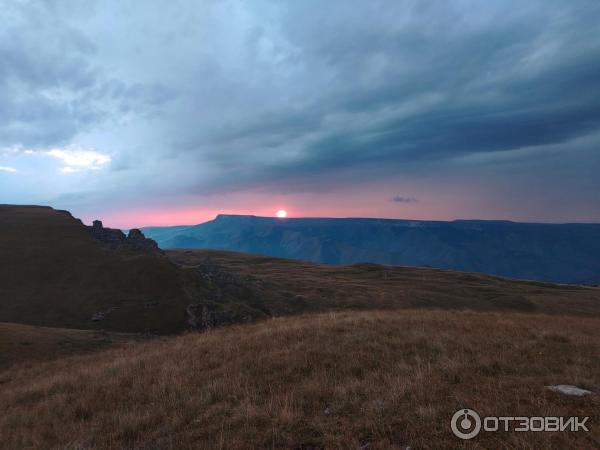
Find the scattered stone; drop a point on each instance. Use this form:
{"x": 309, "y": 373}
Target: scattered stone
{"x": 101, "y": 315}
{"x": 569, "y": 389}
{"x": 96, "y": 317}
{"x": 327, "y": 411}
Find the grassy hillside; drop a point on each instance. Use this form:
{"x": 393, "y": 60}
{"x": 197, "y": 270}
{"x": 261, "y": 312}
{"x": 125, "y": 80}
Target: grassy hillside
{"x": 55, "y": 274}
{"x": 282, "y": 287}
{"x": 352, "y": 380}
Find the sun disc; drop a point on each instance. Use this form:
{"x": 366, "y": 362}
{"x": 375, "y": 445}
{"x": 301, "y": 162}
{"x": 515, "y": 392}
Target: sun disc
{"x": 282, "y": 213}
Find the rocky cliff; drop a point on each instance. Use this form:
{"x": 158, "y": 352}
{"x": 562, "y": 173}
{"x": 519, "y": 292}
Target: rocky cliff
{"x": 113, "y": 239}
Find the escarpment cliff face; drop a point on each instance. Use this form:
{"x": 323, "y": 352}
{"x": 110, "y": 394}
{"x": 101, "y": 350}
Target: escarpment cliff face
{"x": 561, "y": 253}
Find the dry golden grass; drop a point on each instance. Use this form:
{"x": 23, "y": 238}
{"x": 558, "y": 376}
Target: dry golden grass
{"x": 376, "y": 380}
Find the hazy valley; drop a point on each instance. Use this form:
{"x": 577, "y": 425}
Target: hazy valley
{"x": 561, "y": 253}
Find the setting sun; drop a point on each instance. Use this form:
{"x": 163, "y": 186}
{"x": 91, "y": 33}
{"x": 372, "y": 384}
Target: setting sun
{"x": 282, "y": 214}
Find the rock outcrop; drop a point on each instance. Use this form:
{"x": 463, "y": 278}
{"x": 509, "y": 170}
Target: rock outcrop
{"x": 137, "y": 242}
{"x": 112, "y": 239}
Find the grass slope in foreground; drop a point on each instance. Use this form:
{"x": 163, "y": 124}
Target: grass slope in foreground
{"x": 371, "y": 379}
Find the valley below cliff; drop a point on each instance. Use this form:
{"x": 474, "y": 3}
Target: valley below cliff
{"x": 561, "y": 253}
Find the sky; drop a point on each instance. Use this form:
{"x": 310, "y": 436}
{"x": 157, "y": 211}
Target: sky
{"x": 162, "y": 113}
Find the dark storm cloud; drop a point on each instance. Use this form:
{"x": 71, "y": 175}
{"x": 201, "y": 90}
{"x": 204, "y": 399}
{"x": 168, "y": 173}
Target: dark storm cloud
{"x": 209, "y": 97}
{"x": 401, "y": 90}
{"x": 51, "y": 85}
{"x": 493, "y": 97}
{"x": 38, "y": 66}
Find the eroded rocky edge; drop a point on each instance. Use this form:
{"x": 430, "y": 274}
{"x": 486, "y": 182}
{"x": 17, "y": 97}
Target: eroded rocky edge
{"x": 114, "y": 239}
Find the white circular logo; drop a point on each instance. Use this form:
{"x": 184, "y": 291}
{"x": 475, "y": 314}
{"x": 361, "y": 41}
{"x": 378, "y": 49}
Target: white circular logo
{"x": 466, "y": 423}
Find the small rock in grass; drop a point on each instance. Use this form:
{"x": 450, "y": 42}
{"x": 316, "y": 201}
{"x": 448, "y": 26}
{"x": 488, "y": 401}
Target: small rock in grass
{"x": 569, "y": 389}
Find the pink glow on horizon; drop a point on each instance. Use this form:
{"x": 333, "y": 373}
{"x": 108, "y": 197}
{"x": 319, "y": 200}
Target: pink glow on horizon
{"x": 329, "y": 205}
{"x": 154, "y": 217}
{"x": 357, "y": 201}
{"x": 446, "y": 201}
{"x": 168, "y": 217}
{"x": 192, "y": 216}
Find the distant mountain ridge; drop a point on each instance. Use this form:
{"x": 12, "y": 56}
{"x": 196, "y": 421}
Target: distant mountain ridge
{"x": 564, "y": 253}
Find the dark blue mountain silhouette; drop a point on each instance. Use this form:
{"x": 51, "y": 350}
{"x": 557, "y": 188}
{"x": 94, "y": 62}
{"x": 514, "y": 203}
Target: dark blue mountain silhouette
{"x": 565, "y": 253}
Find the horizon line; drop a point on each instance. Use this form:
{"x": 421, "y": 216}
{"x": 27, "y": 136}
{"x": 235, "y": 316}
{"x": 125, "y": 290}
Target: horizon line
{"x": 284, "y": 219}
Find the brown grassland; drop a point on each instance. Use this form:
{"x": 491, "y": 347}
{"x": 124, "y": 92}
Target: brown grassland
{"x": 283, "y": 287}
{"x": 28, "y": 344}
{"x": 344, "y": 380}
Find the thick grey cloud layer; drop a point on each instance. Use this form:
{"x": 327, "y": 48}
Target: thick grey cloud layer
{"x": 193, "y": 98}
